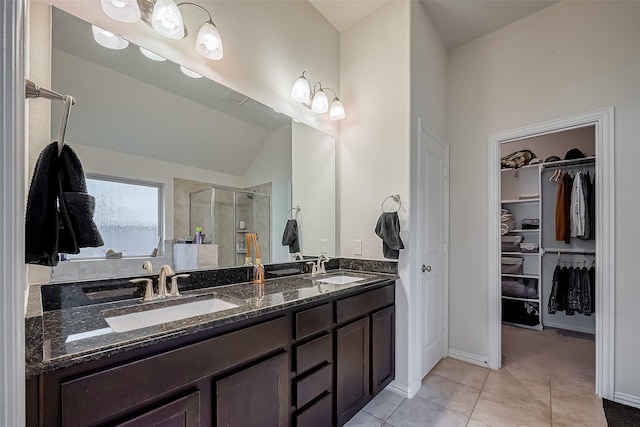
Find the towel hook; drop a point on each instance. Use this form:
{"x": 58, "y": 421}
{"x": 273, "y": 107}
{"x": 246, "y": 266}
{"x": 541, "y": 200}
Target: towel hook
{"x": 395, "y": 198}
{"x": 297, "y": 211}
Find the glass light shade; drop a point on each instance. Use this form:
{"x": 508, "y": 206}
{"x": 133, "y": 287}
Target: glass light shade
{"x": 122, "y": 10}
{"x": 167, "y": 19}
{"x": 151, "y": 55}
{"x": 209, "y": 42}
{"x": 188, "y": 72}
{"x": 320, "y": 102}
{"x": 336, "y": 112}
{"x": 301, "y": 90}
{"x": 108, "y": 39}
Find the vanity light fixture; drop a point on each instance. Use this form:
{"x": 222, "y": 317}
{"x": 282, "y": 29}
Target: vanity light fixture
{"x": 165, "y": 17}
{"x": 122, "y": 10}
{"x": 151, "y": 55}
{"x": 108, "y": 39}
{"x": 319, "y": 103}
{"x": 190, "y": 73}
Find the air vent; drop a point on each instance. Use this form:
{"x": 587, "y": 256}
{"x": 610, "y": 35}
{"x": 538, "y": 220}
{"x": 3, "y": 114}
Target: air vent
{"x": 235, "y": 97}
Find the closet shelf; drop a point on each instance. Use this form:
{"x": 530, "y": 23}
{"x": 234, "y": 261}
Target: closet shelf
{"x": 521, "y": 253}
{"x": 537, "y": 327}
{"x": 529, "y": 230}
{"x": 522, "y": 167}
{"x": 512, "y": 201}
{"x": 537, "y": 300}
{"x": 522, "y": 276}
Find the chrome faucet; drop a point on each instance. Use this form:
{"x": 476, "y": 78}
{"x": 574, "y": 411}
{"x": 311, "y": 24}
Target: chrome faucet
{"x": 148, "y": 266}
{"x": 322, "y": 260}
{"x": 165, "y": 271}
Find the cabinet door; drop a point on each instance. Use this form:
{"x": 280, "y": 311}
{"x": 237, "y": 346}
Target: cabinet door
{"x": 183, "y": 412}
{"x": 352, "y": 369}
{"x": 382, "y": 349}
{"x": 257, "y": 396}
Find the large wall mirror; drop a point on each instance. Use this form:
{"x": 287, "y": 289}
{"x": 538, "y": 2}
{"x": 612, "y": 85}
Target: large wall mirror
{"x": 223, "y": 162}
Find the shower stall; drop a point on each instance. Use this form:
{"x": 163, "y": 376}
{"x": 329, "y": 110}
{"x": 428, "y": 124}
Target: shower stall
{"x": 226, "y": 216}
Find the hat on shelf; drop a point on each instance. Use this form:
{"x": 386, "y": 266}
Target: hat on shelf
{"x": 552, "y": 159}
{"x": 574, "y": 153}
{"x": 535, "y": 161}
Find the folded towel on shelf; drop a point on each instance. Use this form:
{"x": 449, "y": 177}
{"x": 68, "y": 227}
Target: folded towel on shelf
{"x": 507, "y": 221}
{"x": 529, "y": 196}
{"x": 388, "y": 229}
{"x": 290, "y": 236}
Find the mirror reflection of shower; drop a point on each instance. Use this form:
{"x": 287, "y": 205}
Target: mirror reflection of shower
{"x": 226, "y": 216}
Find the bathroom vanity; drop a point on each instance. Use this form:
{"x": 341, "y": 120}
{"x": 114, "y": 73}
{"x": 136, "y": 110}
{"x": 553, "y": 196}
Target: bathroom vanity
{"x": 295, "y": 351}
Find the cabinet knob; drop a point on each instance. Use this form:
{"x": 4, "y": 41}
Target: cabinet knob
{"x": 426, "y": 268}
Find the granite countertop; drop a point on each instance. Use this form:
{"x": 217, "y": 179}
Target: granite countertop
{"x": 64, "y": 337}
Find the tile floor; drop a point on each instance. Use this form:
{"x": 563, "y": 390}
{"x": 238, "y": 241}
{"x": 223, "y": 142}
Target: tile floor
{"x": 547, "y": 379}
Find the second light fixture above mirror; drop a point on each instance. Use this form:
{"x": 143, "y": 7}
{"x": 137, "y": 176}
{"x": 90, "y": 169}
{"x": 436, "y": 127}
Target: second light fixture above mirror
{"x": 304, "y": 93}
{"x": 165, "y": 17}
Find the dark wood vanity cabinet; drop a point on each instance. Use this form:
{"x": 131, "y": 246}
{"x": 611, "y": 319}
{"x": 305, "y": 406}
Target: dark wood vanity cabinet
{"x": 365, "y": 349}
{"x": 315, "y": 365}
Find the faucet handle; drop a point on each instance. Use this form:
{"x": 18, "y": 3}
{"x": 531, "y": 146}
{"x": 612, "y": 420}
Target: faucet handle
{"x": 323, "y": 269}
{"x": 313, "y": 268}
{"x": 174, "y": 284}
{"x": 148, "y": 294}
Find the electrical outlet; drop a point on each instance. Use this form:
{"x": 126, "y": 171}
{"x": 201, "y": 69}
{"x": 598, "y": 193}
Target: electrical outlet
{"x": 323, "y": 246}
{"x": 357, "y": 247}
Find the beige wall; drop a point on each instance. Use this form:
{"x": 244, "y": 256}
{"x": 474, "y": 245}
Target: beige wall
{"x": 568, "y": 59}
{"x": 388, "y": 78}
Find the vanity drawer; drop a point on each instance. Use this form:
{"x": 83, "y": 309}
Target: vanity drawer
{"x": 313, "y": 353}
{"x": 313, "y": 385}
{"x": 313, "y": 320}
{"x": 353, "y": 307}
{"x": 317, "y": 415}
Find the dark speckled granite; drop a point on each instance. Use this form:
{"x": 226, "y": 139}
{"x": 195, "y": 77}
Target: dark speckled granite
{"x": 377, "y": 266}
{"x": 74, "y": 334}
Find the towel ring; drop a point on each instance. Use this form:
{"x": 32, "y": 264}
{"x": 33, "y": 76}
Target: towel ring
{"x": 296, "y": 209}
{"x": 396, "y": 198}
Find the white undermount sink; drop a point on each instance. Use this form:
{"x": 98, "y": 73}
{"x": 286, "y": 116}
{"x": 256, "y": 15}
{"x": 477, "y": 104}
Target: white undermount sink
{"x": 340, "y": 280}
{"x": 158, "y": 316}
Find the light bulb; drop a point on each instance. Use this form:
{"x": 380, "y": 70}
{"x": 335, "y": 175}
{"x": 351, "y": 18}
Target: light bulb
{"x": 151, "y": 55}
{"x": 190, "y": 73}
{"x": 167, "y": 19}
{"x": 209, "y": 42}
{"x": 301, "y": 90}
{"x": 108, "y": 39}
{"x": 122, "y": 10}
{"x": 320, "y": 103}
{"x": 336, "y": 112}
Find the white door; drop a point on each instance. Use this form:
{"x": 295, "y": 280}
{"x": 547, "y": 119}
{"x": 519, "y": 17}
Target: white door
{"x": 433, "y": 232}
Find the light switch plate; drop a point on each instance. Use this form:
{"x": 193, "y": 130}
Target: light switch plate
{"x": 323, "y": 246}
{"x": 357, "y": 247}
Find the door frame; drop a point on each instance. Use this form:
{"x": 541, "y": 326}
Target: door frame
{"x": 419, "y": 244}
{"x": 603, "y": 120}
{"x": 12, "y": 196}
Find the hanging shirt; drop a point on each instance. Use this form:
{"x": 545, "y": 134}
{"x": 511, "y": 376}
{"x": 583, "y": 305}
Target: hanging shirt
{"x": 578, "y": 207}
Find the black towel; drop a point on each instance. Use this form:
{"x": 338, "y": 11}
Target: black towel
{"x": 290, "y": 236}
{"x": 388, "y": 229}
{"x": 59, "y": 216}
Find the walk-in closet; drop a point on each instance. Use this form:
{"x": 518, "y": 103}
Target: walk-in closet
{"x": 547, "y": 255}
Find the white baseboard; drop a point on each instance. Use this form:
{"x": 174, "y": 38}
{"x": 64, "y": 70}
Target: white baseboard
{"x": 402, "y": 389}
{"x": 570, "y": 327}
{"x": 468, "y": 357}
{"x": 626, "y": 399}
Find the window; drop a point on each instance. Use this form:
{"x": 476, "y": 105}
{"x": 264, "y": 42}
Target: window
{"x": 128, "y": 215}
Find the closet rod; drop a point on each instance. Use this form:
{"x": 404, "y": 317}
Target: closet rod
{"x": 569, "y": 251}
{"x": 559, "y": 163}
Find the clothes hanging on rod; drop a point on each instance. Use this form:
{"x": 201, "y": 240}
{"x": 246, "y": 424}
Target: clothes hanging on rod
{"x": 575, "y": 205}
{"x": 573, "y": 290}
